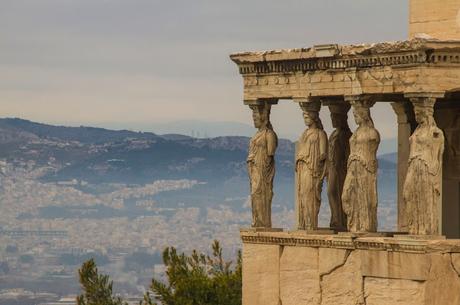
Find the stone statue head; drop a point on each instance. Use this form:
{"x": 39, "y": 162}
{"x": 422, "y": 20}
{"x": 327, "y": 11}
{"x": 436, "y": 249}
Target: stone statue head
{"x": 261, "y": 115}
{"x": 424, "y": 112}
{"x": 311, "y": 114}
{"x": 311, "y": 119}
{"x": 362, "y": 112}
{"x": 339, "y": 115}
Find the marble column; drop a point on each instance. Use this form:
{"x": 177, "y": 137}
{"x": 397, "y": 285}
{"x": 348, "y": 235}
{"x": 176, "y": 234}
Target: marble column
{"x": 359, "y": 197}
{"x": 310, "y": 167}
{"x": 339, "y": 150}
{"x": 261, "y": 164}
{"x": 406, "y": 125}
{"x": 423, "y": 183}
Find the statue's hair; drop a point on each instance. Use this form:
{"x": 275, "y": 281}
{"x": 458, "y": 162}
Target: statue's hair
{"x": 316, "y": 118}
{"x": 428, "y": 109}
{"x": 363, "y": 108}
{"x": 341, "y": 115}
{"x": 264, "y": 110}
{"x": 424, "y": 106}
{"x": 313, "y": 107}
{"x": 339, "y": 108}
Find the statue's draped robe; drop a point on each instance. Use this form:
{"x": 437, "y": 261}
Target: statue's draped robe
{"x": 423, "y": 180}
{"x": 261, "y": 169}
{"x": 339, "y": 150}
{"x": 359, "y": 197}
{"x": 310, "y": 172}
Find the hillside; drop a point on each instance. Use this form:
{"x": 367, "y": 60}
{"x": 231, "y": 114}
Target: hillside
{"x": 100, "y": 156}
{"x": 124, "y": 196}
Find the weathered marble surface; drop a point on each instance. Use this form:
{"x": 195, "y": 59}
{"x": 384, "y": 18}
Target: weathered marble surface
{"x": 422, "y": 187}
{"x": 298, "y": 276}
{"x": 343, "y": 285}
{"x": 386, "y": 291}
{"x": 262, "y": 263}
{"x": 339, "y": 150}
{"x": 384, "y": 69}
{"x": 299, "y": 269}
{"x": 261, "y": 166}
{"x": 310, "y": 168}
{"x": 435, "y": 18}
{"x": 359, "y": 197}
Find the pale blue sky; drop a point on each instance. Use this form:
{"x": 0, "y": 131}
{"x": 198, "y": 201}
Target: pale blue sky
{"x": 132, "y": 62}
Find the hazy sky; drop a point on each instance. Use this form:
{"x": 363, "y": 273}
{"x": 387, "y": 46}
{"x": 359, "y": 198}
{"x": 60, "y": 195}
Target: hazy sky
{"x": 139, "y": 61}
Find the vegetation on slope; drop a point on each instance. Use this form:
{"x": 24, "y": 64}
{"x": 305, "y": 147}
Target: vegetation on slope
{"x": 195, "y": 279}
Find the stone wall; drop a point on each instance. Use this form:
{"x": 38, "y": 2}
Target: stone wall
{"x": 436, "y": 18}
{"x": 294, "y": 269}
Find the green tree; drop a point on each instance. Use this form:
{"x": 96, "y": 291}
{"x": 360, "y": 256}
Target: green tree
{"x": 97, "y": 289}
{"x": 196, "y": 279}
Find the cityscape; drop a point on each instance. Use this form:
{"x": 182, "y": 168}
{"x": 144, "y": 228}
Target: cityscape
{"x": 50, "y": 226}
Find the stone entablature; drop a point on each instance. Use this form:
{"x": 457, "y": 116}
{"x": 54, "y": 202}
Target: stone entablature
{"x": 416, "y": 65}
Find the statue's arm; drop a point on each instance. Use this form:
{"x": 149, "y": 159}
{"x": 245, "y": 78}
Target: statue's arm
{"x": 375, "y": 136}
{"x": 346, "y": 145}
{"x": 340, "y": 152}
{"x": 272, "y": 143}
{"x": 323, "y": 146}
{"x": 438, "y": 137}
{"x": 371, "y": 161}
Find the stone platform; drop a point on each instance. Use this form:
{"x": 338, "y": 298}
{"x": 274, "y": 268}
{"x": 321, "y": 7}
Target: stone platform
{"x": 294, "y": 268}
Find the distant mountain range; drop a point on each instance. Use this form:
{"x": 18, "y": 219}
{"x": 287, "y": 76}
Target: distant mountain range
{"x": 101, "y": 155}
{"x": 87, "y": 149}
{"x": 212, "y": 129}
{"x": 193, "y": 128}
{"x": 98, "y": 156}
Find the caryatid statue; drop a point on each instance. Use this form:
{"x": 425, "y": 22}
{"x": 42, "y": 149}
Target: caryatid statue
{"x": 339, "y": 150}
{"x": 310, "y": 167}
{"x": 359, "y": 197}
{"x": 261, "y": 166}
{"x": 422, "y": 187}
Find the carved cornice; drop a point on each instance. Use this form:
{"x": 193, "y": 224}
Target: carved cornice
{"x": 444, "y": 57}
{"x": 412, "y": 52}
{"x": 350, "y": 242}
{"x": 340, "y": 63}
